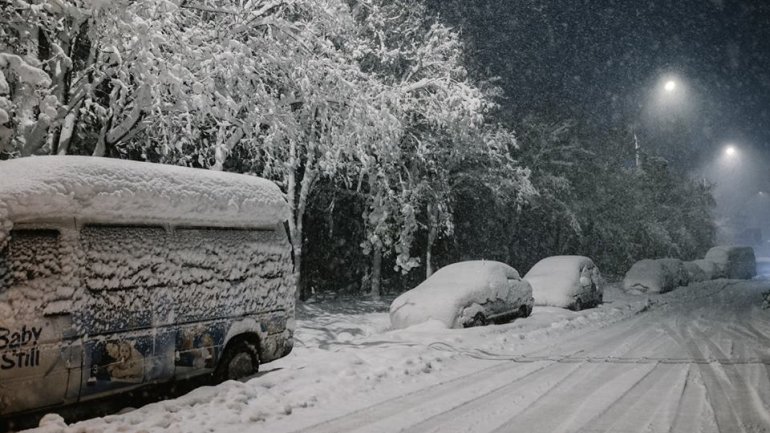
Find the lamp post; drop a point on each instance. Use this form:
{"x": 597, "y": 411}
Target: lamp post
{"x": 668, "y": 91}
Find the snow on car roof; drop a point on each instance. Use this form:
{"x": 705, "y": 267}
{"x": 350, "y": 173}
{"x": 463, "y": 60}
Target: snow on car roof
{"x": 119, "y": 191}
{"x": 549, "y": 265}
{"x": 448, "y": 290}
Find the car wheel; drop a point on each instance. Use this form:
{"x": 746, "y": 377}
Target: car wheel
{"x": 525, "y": 311}
{"x": 578, "y": 305}
{"x": 239, "y": 360}
{"x": 478, "y": 320}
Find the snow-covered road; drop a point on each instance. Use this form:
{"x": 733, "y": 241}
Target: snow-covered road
{"x": 693, "y": 360}
{"x": 697, "y": 364}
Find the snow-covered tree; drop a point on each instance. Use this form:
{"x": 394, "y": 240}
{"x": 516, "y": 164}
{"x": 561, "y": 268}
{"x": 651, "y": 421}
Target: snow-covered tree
{"x": 442, "y": 113}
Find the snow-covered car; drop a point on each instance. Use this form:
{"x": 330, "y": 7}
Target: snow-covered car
{"x": 695, "y": 272}
{"x": 572, "y": 282}
{"x": 763, "y": 267}
{"x": 655, "y": 276}
{"x": 733, "y": 261}
{"x": 708, "y": 267}
{"x": 465, "y": 294}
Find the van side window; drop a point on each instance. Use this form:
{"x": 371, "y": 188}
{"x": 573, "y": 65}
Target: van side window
{"x": 29, "y": 255}
{"x": 223, "y": 271}
{"x": 123, "y": 257}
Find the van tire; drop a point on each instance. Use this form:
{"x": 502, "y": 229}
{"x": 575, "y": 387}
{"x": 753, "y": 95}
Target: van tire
{"x": 240, "y": 359}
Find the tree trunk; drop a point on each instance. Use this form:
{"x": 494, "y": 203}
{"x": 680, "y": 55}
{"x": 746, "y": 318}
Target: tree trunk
{"x": 376, "y": 272}
{"x": 297, "y": 206}
{"x": 432, "y": 222}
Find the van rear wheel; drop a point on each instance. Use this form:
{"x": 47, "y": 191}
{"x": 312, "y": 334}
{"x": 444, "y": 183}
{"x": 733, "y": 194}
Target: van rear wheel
{"x": 239, "y": 360}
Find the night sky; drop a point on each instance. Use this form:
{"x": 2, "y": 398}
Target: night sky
{"x": 601, "y": 60}
{"x": 604, "y": 63}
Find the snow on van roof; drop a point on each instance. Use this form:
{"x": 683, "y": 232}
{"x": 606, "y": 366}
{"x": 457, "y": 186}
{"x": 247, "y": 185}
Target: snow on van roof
{"x": 131, "y": 192}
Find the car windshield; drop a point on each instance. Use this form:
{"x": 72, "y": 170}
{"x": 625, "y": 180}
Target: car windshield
{"x": 536, "y": 215}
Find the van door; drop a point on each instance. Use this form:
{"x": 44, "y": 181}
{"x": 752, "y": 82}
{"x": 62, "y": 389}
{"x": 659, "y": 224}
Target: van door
{"x": 37, "y": 359}
{"x": 124, "y": 269}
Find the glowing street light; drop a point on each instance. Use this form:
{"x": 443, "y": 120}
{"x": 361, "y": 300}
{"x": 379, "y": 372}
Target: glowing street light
{"x": 667, "y": 101}
{"x": 730, "y": 151}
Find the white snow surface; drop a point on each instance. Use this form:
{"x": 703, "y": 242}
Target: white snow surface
{"x": 119, "y": 191}
{"x": 637, "y": 363}
{"x": 451, "y": 289}
{"x": 556, "y": 281}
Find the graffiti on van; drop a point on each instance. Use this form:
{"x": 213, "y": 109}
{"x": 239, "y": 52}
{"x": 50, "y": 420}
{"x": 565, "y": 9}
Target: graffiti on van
{"x": 23, "y": 347}
{"x": 198, "y": 346}
{"x": 116, "y": 363}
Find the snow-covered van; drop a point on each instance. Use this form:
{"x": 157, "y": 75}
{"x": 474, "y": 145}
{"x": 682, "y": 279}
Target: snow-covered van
{"x": 116, "y": 274}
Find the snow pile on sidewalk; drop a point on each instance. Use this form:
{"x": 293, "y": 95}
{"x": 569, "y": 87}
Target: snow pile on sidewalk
{"x": 346, "y": 357}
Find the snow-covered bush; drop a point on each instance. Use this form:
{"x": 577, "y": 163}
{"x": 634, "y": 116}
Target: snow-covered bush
{"x": 733, "y": 261}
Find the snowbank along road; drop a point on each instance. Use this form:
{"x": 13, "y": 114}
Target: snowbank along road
{"x": 693, "y": 360}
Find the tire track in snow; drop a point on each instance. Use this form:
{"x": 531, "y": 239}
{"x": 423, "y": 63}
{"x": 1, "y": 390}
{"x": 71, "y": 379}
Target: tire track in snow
{"x": 578, "y": 399}
{"x": 397, "y": 405}
{"x": 693, "y": 413}
{"x": 729, "y": 407}
{"x": 484, "y": 414}
{"x": 581, "y": 404}
{"x": 465, "y": 416}
{"x": 640, "y": 405}
{"x": 756, "y": 420}
{"x": 385, "y": 415}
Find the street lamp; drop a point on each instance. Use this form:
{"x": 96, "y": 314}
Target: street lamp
{"x": 665, "y": 102}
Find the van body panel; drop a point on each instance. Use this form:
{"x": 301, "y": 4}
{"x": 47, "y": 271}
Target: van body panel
{"x": 115, "y": 274}
{"x": 119, "y": 307}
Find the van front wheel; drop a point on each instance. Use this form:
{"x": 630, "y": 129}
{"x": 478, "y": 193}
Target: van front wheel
{"x": 239, "y": 360}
